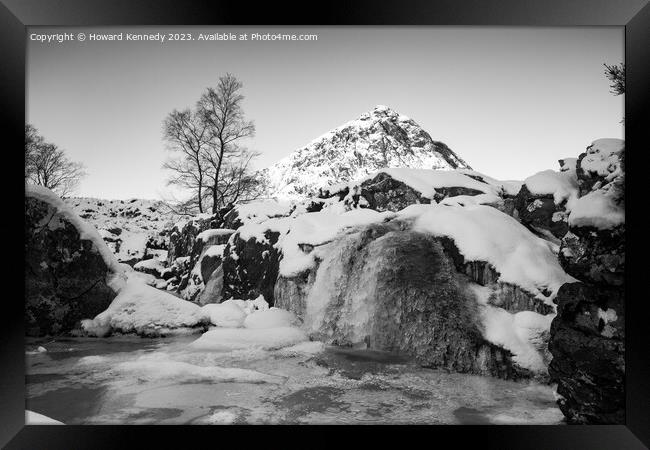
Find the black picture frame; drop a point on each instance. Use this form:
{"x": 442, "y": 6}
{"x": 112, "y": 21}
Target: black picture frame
{"x": 634, "y": 15}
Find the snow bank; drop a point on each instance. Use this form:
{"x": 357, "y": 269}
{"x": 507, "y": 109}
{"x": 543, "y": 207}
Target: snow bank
{"x": 483, "y": 233}
{"x": 562, "y": 185}
{"x": 596, "y": 209}
{"x": 271, "y": 318}
{"x": 228, "y": 314}
{"x": 145, "y": 310}
{"x": 261, "y": 210}
{"x": 34, "y": 418}
{"x": 115, "y": 280}
{"x": 228, "y": 339}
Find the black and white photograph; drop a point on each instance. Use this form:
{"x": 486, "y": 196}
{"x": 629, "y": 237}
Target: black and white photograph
{"x": 319, "y": 225}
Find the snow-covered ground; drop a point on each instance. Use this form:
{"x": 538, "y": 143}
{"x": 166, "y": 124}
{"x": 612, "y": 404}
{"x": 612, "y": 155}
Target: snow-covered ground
{"x": 125, "y": 225}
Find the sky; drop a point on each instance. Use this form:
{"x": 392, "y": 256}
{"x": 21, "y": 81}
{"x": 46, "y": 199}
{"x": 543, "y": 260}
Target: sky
{"x": 510, "y": 101}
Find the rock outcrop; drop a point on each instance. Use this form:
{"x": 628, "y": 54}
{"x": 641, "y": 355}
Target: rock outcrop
{"x": 394, "y": 289}
{"x": 250, "y": 267}
{"x": 544, "y": 201}
{"x": 70, "y": 274}
{"x": 588, "y": 334}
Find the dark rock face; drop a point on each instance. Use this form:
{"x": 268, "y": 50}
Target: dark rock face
{"x": 181, "y": 241}
{"x": 384, "y": 193}
{"x": 65, "y": 277}
{"x": 595, "y": 256}
{"x": 539, "y": 212}
{"x": 418, "y": 303}
{"x": 588, "y": 334}
{"x": 250, "y": 268}
{"x": 588, "y": 347}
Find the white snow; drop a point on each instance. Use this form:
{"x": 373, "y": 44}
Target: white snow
{"x": 228, "y": 339}
{"x": 226, "y": 314}
{"x": 215, "y": 250}
{"x": 260, "y": 210}
{"x": 115, "y": 278}
{"x": 271, "y": 318}
{"x": 562, "y": 185}
{"x": 312, "y": 229}
{"x": 152, "y": 264}
{"x": 34, "y": 418}
{"x": 483, "y": 233}
{"x": 126, "y": 225}
{"x": 597, "y": 209}
{"x": 602, "y": 158}
{"x": 521, "y": 333}
{"x": 213, "y": 233}
{"x": 609, "y": 315}
{"x": 145, "y": 310}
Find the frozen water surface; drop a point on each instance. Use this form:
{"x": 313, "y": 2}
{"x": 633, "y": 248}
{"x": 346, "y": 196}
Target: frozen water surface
{"x": 126, "y": 380}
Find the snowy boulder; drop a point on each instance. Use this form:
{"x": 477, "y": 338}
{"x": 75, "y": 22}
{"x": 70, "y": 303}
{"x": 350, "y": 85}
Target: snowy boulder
{"x": 152, "y": 266}
{"x": 227, "y": 314}
{"x": 146, "y": 311}
{"x": 544, "y": 199}
{"x": 255, "y": 212}
{"x": 271, "y": 318}
{"x": 594, "y": 248}
{"x": 588, "y": 348}
{"x": 601, "y": 163}
{"x": 70, "y": 273}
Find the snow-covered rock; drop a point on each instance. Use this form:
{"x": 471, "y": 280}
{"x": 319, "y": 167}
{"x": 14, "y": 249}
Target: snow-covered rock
{"x": 70, "y": 273}
{"x": 588, "y": 335}
{"x": 271, "y": 318}
{"x": 227, "y": 314}
{"x": 378, "y": 139}
{"x": 373, "y": 283}
{"x": 132, "y": 229}
{"x": 146, "y": 311}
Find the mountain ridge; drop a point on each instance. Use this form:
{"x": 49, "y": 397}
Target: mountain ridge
{"x": 378, "y": 139}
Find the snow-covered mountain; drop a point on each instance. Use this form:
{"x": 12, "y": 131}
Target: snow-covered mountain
{"x": 378, "y": 139}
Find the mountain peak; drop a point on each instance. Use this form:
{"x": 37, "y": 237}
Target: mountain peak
{"x": 378, "y": 139}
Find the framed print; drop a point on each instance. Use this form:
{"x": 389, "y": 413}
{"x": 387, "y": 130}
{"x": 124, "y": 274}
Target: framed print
{"x": 392, "y": 216}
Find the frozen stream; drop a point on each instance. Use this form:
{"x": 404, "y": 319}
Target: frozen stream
{"x": 125, "y": 380}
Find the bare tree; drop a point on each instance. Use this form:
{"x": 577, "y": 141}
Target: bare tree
{"x": 186, "y": 134}
{"x": 221, "y": 109}
{"x": 32, "y": 142}
{"x": 616, "y": 74}
{"x": 237, "y": 180}
{"x": 48, "y": 166}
